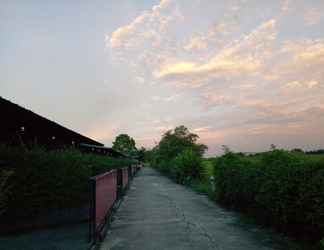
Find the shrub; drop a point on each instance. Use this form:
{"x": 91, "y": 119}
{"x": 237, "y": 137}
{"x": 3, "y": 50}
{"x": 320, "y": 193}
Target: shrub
{"x": 283, "y": 188}
{"x": 4, "y": 189}
{"x": 187, "y": 166}
{"x": 47, "y": 180}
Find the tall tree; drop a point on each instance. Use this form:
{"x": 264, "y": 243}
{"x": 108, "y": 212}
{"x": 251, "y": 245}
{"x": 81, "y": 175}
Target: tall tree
{"x": 174, "y": 142}
{"x": 141, "y": 154}
{"x": 125, "y": 144}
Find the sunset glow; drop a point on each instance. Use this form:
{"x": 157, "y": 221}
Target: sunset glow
{"x": 241, "y": 73}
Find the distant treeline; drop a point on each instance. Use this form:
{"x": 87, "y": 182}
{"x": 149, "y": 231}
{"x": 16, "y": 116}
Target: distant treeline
{"x": 315, "y": 152}
{"x": 296, "y": 150}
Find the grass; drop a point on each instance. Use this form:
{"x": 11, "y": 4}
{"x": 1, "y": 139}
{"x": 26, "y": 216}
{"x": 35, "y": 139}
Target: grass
{"x": 205, "y": 184}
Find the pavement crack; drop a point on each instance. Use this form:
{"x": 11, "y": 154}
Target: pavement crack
{"x": 189, "y": 224}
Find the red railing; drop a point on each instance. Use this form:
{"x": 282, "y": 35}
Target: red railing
{"x": 106, "y": 194}
{"x": 134, "y": 169}
{"x": 105, "y": 190}
{"x": 103, "y": 196}
{"x": 125, "y": 177}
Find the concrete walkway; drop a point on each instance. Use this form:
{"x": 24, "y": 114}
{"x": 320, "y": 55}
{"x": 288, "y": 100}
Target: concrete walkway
{"x": 158, "y": 214}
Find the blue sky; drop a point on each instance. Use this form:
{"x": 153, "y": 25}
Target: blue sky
{"x": 242, "y": 73}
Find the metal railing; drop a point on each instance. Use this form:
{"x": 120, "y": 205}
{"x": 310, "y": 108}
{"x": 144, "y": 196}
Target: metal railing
{"x": 105, "y": 190}
{"x": 126, "y": 177}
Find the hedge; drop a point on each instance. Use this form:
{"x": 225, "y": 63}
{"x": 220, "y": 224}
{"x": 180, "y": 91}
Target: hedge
{"x": 42, "y": 181}
{"x": 281, "y": 188}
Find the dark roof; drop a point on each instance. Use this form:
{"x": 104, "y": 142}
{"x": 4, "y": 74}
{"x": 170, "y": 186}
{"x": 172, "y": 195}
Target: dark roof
{"x": 103, "y": 150}
{"x": 22, "y": 125}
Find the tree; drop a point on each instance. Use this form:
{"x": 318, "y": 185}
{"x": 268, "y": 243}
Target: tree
{"x": 141, "y": 154}
{"x": 174, "y": 142}
{"x": 297, "y": 150}
{"x": 125, "y": 144}
{"x": 188, "y": 165}
{"x": 178, "y": 154}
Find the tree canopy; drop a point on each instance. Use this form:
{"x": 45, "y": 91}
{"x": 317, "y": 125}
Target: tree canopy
{"x": 141, "y": 153}
{"x": 125, "y": 144}
{"x": 174, "y": 142}
{"x": 178, "y": 155}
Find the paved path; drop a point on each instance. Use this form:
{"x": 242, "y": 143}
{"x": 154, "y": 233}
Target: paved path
{"x": 158, "y": 214}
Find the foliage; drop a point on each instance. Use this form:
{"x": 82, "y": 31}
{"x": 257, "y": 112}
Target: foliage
{"x": 4, "y": 189}
{"x": 125, "y": 144}
{"x": 45, "y": 180}
{"x": 202, "y": 187}
{"x": 179, "y": 155}
{"x": 205, "y": 184}
{"x": 187, "y": 166}
{"x": 319, "y": 151}
{"x": 175, "y": 141}
{"x": 141, "y": 154}
{"x": 322, "y": 243}
{"x": 282, "y": 188}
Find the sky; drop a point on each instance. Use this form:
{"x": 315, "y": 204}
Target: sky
{"x": 241, "y": 73}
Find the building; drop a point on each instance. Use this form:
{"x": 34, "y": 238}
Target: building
{"x": 21, "y": 126}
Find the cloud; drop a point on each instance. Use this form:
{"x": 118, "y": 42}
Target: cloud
{"x": 120, "y": 37}
{"x": 278, "y": 124}
{"x": 245, "y": 56}
{"x": 133, "y": 33}
{"x": 215, "y": 66}
{"x": 170, "y": 98}
{"x": 313, "y": 16}
{"x": 238, "y": 76}
{"x": 285, "y": 6}
{"x": 305, "y": 50}
{"x": 201, "y": 129}
{"x": 196, "y": 43}
{"x": 212, "y": 99}
{"x": 213, "y": 36}
{"x": 297, "y": 84}
{"x": 299, "y": 68}
{"x": 146, "y": 29}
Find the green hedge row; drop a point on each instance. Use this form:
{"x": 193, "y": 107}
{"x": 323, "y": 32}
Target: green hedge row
{"x": 184, "y": 168}
{"x": 43, "y": 180}
{"x": 4, "y": 175}
{"x": 281, "y": 188}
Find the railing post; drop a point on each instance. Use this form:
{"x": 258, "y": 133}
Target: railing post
{"x": 119, "y": 183}
{"x": 92, "y": 210}
{"x": 129, "y": 169}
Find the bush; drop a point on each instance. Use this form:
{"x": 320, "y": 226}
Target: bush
{"x": 179, "y": 155}
{"x": 187, "y": 166}
{"x": 47, "y": 180}
{"x": 4, "y": 189}
{"x": 285, "y": 189}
